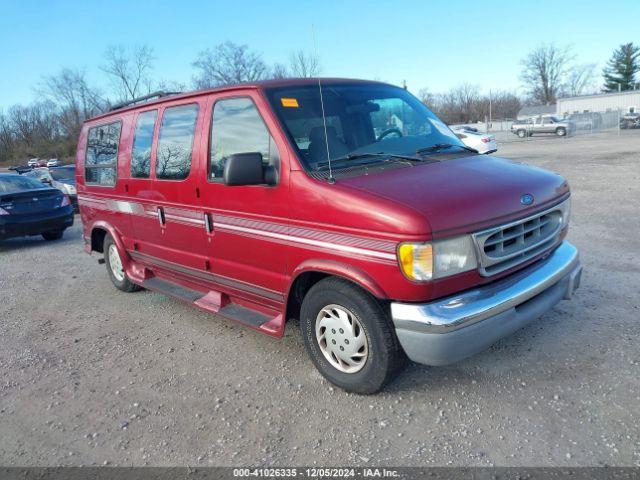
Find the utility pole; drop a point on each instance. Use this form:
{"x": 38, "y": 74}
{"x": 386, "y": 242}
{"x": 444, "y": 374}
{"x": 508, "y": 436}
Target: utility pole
{"x": 489, "y": 124}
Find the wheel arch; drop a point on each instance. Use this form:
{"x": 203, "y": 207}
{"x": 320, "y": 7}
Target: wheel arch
{"x": 99, "y": 231}
{"x": 310, "y": 272}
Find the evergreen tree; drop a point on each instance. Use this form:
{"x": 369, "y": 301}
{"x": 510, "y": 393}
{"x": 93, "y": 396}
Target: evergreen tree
{"x": 619, "y": 74}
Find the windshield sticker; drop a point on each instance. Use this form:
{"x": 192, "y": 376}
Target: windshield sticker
{"x": 289, "y": 102}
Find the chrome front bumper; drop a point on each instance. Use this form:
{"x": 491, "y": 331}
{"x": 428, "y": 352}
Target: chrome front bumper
{"x": 455, "y": 327}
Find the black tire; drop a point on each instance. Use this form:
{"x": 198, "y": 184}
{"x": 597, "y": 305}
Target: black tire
{"x": 53, "y": 235}
{"x": 125, "y": 284}
{"x": 521, "y": 133}
{"x": 385, "y": 356}
{"x": 561, "y": 131}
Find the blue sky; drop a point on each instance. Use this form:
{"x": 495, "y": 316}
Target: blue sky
{"x": 430, "y": 44}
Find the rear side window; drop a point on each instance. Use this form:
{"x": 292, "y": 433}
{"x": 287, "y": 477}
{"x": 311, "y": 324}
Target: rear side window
{"x": 102, "y": 154}
{"x": 142, "y": 140}
{"x": 237, "y": 127}
{"x": 15, "y": 183}
{"x": 173, "y": 159}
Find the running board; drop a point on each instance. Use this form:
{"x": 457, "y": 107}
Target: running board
{"x": 244, "y": 315}
{"x": 213, "y": 302}
{"x": 173, "y": 290}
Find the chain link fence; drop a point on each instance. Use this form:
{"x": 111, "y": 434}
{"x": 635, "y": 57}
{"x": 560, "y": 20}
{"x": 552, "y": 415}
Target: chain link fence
{"x": 538, "y": 127}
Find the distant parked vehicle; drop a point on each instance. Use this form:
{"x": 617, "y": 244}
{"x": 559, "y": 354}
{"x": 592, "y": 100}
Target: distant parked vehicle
{"x": 481, "y": 142}
{"x": 53, "y": 162}
{"x": 586, "y": 120}
{"x": 62, "y": 178}
{"x": 20, "y": 169}
{"x": 41, "y": 162}
{"x": 28, "y": 207}
{"x": 630, "y": 120}
{"x": 33, "y": 162}
{"x": 542, "y": 124}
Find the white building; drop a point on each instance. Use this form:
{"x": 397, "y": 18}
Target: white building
{"x": 624, "y": 102}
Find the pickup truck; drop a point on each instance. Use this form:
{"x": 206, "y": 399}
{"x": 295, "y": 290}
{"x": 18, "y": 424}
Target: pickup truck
{"x": 542, "y": 124}
{"x": 630, "y": 120}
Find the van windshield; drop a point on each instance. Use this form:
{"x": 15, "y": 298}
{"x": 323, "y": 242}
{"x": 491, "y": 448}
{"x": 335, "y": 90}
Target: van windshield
{"x": 361, "y": 119}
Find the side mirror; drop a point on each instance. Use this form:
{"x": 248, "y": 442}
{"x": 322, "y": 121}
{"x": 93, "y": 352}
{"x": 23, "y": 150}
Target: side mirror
{"x": 247, "y": 169}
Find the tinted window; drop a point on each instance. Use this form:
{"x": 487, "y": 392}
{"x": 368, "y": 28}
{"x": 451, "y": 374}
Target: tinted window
{"x": 102, "y": 154}
{"x": 16, "y": 183}
{"x": 173, "y": 159}
{"x": 237, "y": 127}
{"x": 143, "y": 138}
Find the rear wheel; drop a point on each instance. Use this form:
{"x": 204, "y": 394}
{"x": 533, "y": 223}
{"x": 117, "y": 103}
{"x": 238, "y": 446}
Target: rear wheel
{"x": 348, "y": 336}
{"x": 53, "y": 235}
{"x": 114, "y": 267}
{"x": 521, "y": 133}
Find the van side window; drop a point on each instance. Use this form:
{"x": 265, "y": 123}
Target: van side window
{"x": 173, "y": 159}
{"x": 237, "y": 127}
{"x": 102, "y": 153}
{"x": 143, "y": 137}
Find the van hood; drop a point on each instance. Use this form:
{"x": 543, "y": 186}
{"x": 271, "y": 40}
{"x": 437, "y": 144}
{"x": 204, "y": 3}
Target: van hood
{"x": 465, "y": 194}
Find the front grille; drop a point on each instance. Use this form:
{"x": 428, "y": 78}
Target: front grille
{"x": 506, "y": 246}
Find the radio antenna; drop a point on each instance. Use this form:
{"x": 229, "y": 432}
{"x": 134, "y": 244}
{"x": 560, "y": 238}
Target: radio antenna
{"x": 324, "y": 118}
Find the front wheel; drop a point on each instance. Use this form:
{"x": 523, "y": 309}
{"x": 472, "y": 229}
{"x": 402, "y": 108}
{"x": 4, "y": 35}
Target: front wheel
{"x": 522, "y": 133}
{"x": 348, "y": 336}
{"x": 114, "y": 267}
{"x": 561, "y": 132}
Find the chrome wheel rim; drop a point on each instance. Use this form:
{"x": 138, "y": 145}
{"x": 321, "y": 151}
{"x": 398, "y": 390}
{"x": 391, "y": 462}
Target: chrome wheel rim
{"x": 341, "y": 339}
{"x": 115, "y": 263}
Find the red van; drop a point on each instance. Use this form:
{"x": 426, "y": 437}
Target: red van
{"x": 347, "y": 204}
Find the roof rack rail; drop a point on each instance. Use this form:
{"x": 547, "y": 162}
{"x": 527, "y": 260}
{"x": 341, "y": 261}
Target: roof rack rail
{"x": 158, "y": 94}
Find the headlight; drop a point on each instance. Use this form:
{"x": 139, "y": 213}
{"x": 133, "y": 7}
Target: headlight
{"x": 442, "y": 258}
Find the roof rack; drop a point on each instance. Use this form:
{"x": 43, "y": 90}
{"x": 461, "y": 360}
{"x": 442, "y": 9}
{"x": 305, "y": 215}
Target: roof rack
{"x": 145, "y": 98}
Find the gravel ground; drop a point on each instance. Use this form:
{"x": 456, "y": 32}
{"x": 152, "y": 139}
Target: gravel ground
{"x": 90, "y": 375}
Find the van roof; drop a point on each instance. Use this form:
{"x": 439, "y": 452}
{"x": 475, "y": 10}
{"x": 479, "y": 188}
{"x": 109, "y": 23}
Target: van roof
{"x": 262, "y": 84}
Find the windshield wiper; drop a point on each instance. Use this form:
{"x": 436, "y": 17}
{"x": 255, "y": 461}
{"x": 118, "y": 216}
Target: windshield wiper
{"x": 443, "y": 146}
{"x": 348, "y": 159}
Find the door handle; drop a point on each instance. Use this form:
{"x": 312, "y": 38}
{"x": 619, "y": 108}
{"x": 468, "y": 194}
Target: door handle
{"x": 208, "y": 223}
{"x": 161, "y": 218}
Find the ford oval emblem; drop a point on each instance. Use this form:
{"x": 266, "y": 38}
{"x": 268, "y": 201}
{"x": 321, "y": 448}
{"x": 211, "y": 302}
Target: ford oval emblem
{"x": 526, "y": 199}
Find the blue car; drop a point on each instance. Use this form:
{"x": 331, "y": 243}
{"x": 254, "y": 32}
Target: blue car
{"x": 29, "y": 207}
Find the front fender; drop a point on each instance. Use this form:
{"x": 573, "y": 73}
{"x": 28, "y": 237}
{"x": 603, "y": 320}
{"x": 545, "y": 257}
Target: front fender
{"x": 339, "y": 269}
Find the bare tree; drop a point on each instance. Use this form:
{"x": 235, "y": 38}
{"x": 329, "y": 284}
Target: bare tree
{"x": 581, "y": 79}
{"x": 464, "y": 104}
{"x": 170, "y": 86}
{"x": 304, "y": 65}
{"x": 76, "y": 100}
{"x": 7, "y": 139}
{"x": 280, "y": 71}
{"x": 543, "y": 72}
{"x": 228, "y": 63}
{"x": 129, "y": 70}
